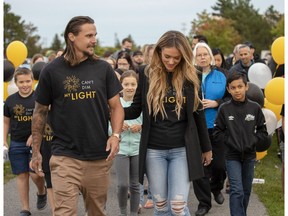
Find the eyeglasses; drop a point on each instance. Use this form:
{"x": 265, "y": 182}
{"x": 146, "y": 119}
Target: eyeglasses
{"x": 205, "y": 55}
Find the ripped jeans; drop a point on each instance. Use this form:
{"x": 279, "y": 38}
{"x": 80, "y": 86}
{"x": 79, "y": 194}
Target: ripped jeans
{"x": 167, "y": 171}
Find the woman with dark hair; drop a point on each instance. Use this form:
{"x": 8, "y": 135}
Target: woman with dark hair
{"x": 124, "y": 62}
{"x": 219, "y": 58}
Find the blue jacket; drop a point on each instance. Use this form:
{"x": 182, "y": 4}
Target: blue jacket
{"x": 213, "y": 88}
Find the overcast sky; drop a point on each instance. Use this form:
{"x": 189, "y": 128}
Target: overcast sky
{"x": 145, "y": 20}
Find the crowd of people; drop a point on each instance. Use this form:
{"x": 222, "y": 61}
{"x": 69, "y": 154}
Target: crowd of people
{"x": 168, "y": 115}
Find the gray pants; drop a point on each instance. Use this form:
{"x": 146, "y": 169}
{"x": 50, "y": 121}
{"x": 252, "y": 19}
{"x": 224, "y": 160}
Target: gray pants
{"x": 127, "y": 176}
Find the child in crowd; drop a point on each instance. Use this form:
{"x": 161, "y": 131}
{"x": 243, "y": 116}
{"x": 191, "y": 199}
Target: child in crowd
{"x": 240, "y": 124}
{"x": 126, "y": 162}
{"x": 18, "y": 110}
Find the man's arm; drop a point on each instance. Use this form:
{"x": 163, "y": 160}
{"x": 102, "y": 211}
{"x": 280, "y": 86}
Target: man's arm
{"x": 116, "y": 118}
{"x": 38, "y": 125}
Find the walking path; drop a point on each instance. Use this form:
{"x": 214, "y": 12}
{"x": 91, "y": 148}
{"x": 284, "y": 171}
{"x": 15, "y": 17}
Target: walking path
{"x": 12, "y": 203}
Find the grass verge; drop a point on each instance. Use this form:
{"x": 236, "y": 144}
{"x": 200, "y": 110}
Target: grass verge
{"x": 270, "y": 193}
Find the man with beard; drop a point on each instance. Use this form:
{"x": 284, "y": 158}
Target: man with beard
{"x": 83, "y": 92}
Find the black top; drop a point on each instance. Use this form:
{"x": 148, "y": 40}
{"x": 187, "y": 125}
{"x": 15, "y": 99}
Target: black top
{"x": 79, "y": 106}
{"x": 169, "y": 132}
{"x": 241, "y": 126}
{"x": 20, "y": 111}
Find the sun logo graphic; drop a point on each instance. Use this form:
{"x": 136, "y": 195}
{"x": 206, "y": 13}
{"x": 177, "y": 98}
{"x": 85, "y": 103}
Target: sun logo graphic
{"x": 19, "y": 109}
{"x": 71, "y": 84}
{"x": 48, "y": 133}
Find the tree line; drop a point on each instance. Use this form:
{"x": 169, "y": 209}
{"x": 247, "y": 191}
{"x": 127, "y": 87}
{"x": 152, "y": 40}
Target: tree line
{"x": 230, "y": 23}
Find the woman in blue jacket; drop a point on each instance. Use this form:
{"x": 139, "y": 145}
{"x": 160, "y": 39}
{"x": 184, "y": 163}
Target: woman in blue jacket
{"x": 213, "y": 85}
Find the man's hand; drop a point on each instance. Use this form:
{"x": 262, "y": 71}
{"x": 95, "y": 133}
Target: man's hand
{"x": 113, "y": 147}
{"x": 36, "y": 163}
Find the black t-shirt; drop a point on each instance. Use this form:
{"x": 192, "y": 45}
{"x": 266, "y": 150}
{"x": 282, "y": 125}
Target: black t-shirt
{"x": 46, "y": 145}
{"x": 169, "y": 132}
{"x": 20, "y": 111}
{"x": 79, "y": 106}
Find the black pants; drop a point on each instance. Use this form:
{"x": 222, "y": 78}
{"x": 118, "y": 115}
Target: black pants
{"x": 215, "y": 175}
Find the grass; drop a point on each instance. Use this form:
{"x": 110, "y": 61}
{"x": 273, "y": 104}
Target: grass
{"x": 268, "y": 168}
{"x": 270, "y": 193}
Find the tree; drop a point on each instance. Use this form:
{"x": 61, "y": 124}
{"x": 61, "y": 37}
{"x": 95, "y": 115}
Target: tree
{"x": 56, "y": 43}
{"x": 276, "y": 21}
{"x": 247, "y": 21}
{"x": 17, "y": 29}
{"x": 218, "y": 30}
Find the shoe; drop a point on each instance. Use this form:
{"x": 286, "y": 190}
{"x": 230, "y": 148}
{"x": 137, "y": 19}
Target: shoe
{"x": 42, "y": 200}
{"x": 140, "y": 209}
{"x": 219, "y": 198}
{"x": 201, "y": 212}
{"x": 25, "y": 213}
{"x": 149, "y": 204}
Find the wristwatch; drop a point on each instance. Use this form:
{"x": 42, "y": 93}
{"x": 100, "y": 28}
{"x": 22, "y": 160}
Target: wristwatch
{"x": 117, "y": 135}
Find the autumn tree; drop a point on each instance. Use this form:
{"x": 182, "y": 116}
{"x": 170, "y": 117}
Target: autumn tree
{"x": 247, "y": 21}
{"x": 218, "y": 30}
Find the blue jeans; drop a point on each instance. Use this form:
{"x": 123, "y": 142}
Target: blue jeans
{"x": 167, "y": 171}
{"x": 240, "y": 174}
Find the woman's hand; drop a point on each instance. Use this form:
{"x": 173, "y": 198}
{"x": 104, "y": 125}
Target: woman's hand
{"x": 207, "y": 158}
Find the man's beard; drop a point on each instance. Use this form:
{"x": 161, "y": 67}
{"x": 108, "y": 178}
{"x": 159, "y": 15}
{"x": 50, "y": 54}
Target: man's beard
{"x": 88, "y": 54}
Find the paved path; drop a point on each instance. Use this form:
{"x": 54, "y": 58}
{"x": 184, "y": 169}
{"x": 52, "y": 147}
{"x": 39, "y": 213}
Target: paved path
{"x": 12, "y": 204}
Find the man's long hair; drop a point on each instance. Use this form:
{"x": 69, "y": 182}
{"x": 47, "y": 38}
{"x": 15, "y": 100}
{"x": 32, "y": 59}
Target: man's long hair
{"x": 74, "y": 27}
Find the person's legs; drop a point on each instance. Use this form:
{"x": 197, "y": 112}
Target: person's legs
{"x": 202, "y": 191}
{"x": 247, "y": 179}
{"x": 167, "y": 173}
{"x": 23, "y": 189}
{"x": 95, "y": 185}
{"x": 234, "y": 171}
{"x": 218, "y": 171}
{"x": 19, "y": 156}
{"x": 178, "y": 181}
{"x": 66, "y": 175}
{"x": 122, "y": 173}
{"x": 156, "y": 170}
{"x": 50, "y": 191}
{"x": 134, "y": 185}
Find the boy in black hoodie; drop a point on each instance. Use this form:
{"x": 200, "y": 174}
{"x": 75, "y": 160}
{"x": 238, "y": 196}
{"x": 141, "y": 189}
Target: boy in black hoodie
{"x": 241, "y": 125}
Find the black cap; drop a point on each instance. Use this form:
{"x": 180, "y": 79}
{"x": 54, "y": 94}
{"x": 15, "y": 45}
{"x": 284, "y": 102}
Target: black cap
{"x": 137, "y": 52}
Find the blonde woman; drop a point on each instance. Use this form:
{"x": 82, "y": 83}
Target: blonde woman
{"x": 174, "y": 141}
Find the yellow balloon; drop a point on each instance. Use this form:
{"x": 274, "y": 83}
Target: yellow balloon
{"x": 277, "y": 50}
{"x": 16, "y": 52}
{"x": 260, "y": 155}
{"x": 5, "y": 88}
{"x": 274, "y": 91}
{"x": 274, "y": 108}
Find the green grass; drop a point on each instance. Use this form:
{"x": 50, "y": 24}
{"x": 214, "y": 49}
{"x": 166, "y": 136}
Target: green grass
{"x": 7, "y": 172}
{"x": 270, "y": 193}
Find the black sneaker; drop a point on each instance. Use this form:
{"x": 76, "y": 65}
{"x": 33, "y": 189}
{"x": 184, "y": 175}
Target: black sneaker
{"x": 25, "y": 213}
{"x": 42, "y": 200}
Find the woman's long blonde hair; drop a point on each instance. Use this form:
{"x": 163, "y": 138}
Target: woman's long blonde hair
{"x": 184, "y": 71}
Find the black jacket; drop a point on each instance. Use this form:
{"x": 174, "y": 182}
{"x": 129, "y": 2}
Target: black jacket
{"x": 196, "y": 135}
{"x": 241, "y": 125}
